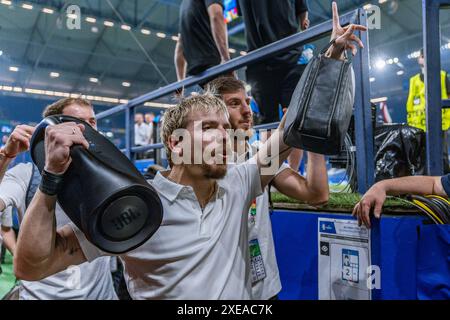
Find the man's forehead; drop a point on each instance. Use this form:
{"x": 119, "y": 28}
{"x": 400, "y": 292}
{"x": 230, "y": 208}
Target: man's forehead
{"x": 237, "y": 94}
{"x": 203, "y": 115}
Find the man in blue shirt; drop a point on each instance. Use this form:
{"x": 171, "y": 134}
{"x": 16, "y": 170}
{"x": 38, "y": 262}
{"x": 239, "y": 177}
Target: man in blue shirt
{"x": 375, "y": 197}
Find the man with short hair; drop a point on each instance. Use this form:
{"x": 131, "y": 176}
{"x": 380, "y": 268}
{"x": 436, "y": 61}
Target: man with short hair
{"x": 142, "y": 133}
{"x": 266, "y": 284}
{"x": 16, "y": 186}
{"x": 201, "y": 249}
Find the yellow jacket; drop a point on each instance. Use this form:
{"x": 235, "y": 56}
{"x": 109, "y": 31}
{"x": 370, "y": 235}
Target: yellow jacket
{"x": 415, "y": 107}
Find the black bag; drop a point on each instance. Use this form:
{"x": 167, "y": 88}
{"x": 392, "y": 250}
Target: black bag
{"x": 400, "y": 151}
{"x": 322, "y": 105}
{"x": 103, "y": 193}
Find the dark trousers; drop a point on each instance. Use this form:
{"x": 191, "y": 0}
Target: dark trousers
{"x": 273, "y": 86}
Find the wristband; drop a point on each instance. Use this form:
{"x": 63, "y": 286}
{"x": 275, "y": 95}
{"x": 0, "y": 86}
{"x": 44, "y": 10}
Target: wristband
{"x": 50, "y": 183}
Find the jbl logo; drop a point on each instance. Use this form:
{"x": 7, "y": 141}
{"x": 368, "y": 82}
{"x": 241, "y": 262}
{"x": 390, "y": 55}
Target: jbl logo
{"x": 125, "y": 218}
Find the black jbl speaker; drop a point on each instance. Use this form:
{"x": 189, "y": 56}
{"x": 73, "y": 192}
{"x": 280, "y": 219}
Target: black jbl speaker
{"x": 103, "y": 193}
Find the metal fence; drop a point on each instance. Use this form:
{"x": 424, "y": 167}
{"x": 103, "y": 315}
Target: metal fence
{"x": 363, "y": 123}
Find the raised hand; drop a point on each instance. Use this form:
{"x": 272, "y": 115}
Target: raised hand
{"x": 58, "y": 140}
{"x": 345, "y": 37}
{"x": 18, "y": 141}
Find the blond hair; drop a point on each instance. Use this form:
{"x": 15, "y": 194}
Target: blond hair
{"x": 177, "y": 117}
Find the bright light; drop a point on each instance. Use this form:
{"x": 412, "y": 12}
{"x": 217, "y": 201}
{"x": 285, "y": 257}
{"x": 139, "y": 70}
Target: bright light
{"x": 175, "y": 38}
{"x": 123, "y": 101}
{"x": 13, "y": 69}
{"x": 367, "y": 6}
{"x": 1, "y": 53}
{"x": 126, "y": 84}
{"x": 414, "y": 55}
{"x": 390, "y": 61}
{"x": 145, "y": 31}
{"x": 372, "y": 79}
{"x": 400, "y": 73}
{"x": 396, "y": 60}
{"x": 6, "y": 2}
{"x": 94, "y": 80}
{"x": 380, "y": 64}
{"x": 232, "y": 50}
{"x": 248, "y": 88}
{"x": 7, "y": 88}
{"x": 108, "y": 23}
{"x": 17, "y": 89}
{"x": 125, "y": 27}
{"x": 161, "y": 35}
{"x": 160, "y": 105}
{"x": 48, "y": 10}
{"x": 378, "y": 100}
{"x": 382, "y": 1}
{"x": 54, "y": 74}
{"x": 27, "y": 6}
{"x": 91, "y": 20}
{"x": 94, "y": 29}
{"x": 243, "y": 53}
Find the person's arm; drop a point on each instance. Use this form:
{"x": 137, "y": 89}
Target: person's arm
{"x": 219, "y": 30}
{"x": 302, "y": 14}
{"x": 41, "y": 249}
{"x": 374, "y": 198}
{"x": 18, "y": 142}
{"x": 180, "y": 61}
{"x": 9, "y": 239}
{"x": 274, "y": 152}
{"x": 313, "y": 190}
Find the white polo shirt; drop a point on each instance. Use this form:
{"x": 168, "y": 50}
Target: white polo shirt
{"x": 195, "y": 254}
{"x": 5, "y": 220}
{"x": 89, "y": 281}
{"x": 266, "y": 283}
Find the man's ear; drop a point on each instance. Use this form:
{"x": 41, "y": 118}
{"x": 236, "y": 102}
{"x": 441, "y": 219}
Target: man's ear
{"x": 175, "y": 145}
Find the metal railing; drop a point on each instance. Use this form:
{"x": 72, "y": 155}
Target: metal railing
{"x": 363, "y": 124}
{"x": 434, "y": 103}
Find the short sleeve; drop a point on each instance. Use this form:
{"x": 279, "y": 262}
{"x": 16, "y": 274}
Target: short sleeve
{"x": 283, "y": 167}
{"x": 249, "y": 178}
{"x": 446, "y": 184}
{"x": 6, "y": 219}
{"x": 90, "y": 251}
{"x": 300, "y": 6}
{"x": 211, "y": 2}
{"x": 13, "y": 188}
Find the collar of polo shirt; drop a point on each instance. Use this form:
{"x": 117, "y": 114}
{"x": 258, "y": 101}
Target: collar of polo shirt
{"x": 172, "y": 190}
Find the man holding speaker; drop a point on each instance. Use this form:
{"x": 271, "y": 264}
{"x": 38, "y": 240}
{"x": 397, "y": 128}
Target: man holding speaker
{"x": 90, "y": 281}
{"x": 201, "y": 249}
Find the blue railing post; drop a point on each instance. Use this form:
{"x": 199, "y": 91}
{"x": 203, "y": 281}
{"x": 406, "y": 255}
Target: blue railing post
{"x": 432, "y": 52}
{"x": 363, "y": 113}
{"x": 129, "y": 131}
